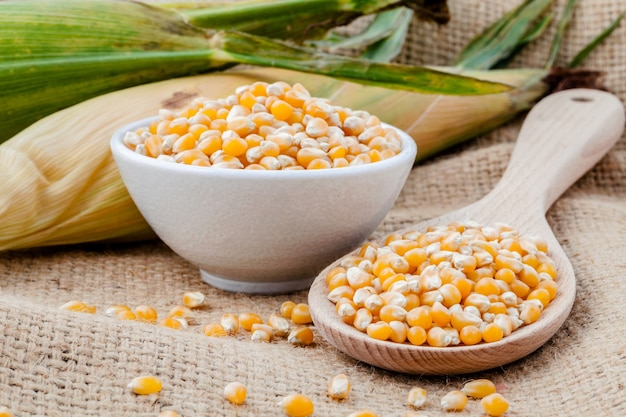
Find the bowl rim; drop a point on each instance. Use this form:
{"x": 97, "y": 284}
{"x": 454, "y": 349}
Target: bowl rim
{"x": 120, "y": 150}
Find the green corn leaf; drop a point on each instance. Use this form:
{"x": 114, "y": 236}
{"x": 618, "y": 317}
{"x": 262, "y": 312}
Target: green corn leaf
{"x": 385, "y": 50}
{"x": 583, "y": 53}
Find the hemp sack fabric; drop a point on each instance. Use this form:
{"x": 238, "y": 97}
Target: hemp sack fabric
{"x": 57, "y": 363}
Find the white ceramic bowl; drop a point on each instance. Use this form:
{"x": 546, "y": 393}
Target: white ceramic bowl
{"x": 261, "y": 231}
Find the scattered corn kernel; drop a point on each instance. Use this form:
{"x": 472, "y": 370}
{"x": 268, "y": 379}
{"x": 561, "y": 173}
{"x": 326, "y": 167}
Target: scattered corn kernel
{"x": 478, "y": 388}
{"x": 171, "y": 322}
{"x": 146, "y": 314}
{"x": 230, "y": 323}
{"x": 301, "y": 314}
{"x": 5, "y": 412}
{"x": 126, "y": 315}
{"x": 279, "y": 324}
{"x": 247, "y": 319}
{"x": 286, "y": 309}
{"x": 145, "y": 385}
{"x": 494, "y": 404}
{"x": 235, "y": 392}
{"x": 301, "y": 336}
{"x": 183, "y": 312}
{"x": 363, "y": 413}
{"x": 416, "y": 397}
{"x": 193, "y": 299}
{"x": 79, "y": 306}
{"x": 167, "y": 413}
{"x": 114, "y": 309}
{"x": 454, "y": 401}
{"x": 297, "y": 405}
{"x": 339, "y": 387}
{"x": 214, "y": 330}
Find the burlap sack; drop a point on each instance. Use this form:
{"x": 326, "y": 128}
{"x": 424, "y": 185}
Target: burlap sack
{"x": 54, "y": 363}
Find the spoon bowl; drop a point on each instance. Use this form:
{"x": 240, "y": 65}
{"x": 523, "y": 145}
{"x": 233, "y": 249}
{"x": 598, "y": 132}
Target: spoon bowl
{"x": 562, "y": 137}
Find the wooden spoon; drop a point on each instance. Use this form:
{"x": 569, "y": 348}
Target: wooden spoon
{"x": 562, "y": 137}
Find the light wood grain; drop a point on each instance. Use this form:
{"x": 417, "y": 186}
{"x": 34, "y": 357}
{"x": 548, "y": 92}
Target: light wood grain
{"x": 562, "y": 137}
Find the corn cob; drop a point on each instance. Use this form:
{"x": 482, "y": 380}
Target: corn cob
{"x": 55, "y": 53}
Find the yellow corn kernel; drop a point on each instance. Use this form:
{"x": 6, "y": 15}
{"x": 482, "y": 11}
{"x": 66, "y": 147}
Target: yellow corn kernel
{"x": 440, "y": 314}
{"x": 363, "y": 413}
{"x": 379, "y": 330}
{"x": 181, "y": 311}
{"x": 478, "y": 388}
{"x": 470, "y": 335}
{"x": 114, "y": 309}
{"x": 230, "y": 323}
{"x": 261, "y": 335}
{"x": 126, "y": 315}
{"x": 301, "y": 336}
{"x": 297, "y": 405}
{"x": 193, "y": 299}
{"x": 210, "y": 144}
{"x": 416, "y": 397}
{"x": 145, "y": 385}
{"x": 520, "y": 288}
{"x": 438, "y": 337}
{"x": 248, "y": 319}
{"x": 487, "y": 286}
{"x": 79, "y": 306}
{"x": 480, "y": 301}
{"x": 454, "y": 401}
{"x": 343, "y": 291}
{"x": 362, "y": 319}
{"x": 494, "y": 404}
{"x": 166, "y": 413}
{"x": 511, "y": 263}
{"x": 214, "y": 330}
{"x": 235, "y": 392}
{"x": 541, "y": 294}
{"x": 451, "y": 294}
{"x": 146, "y": 314}
{"x": 464, "y": 285}
{"x": 549, "y": 285}
{"x": 390, "y": 312}
{"x": 492, "y": 333}
{"x": 281, "y": 110}
{"x": 420, "y": 316}
{"x": 339, "y": 387}
{"x": 416, "y": 335}
{"x": 301, "y": 314}
{"x": 171, "y": 322}
{"x": 461, "y": 319}
{"x": 5, "y": 412}
{"x": 530, "y": 311}
{"x": 346, "y": 309}
{"x": 399, "y": 331}
{"x": 337, "y": 280}
{"x": 279, "y": 324}
{"x": 286, "y": 308}
{"x": 478, "y": 273}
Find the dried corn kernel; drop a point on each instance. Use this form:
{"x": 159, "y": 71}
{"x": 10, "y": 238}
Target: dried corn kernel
{"x": 114, "y": 309}
{"x": 145, "y": 385}
{"x": 363, "y": 413}
{"x": 416, "y": 397}
{"x": 235, "y": 392}
{"x": 171, "y": 322}
{"x": 454, "y": 401}
{"x": 126, "y": 315}
{"x": 297, "y": 405}
{"x": 183, "y": 312}
{"x": 300, "y": 314}
{"x": 79, "y": 306}
{"x": 279, "y": 324}
{"x": 494, "y": 404}
{"x": 478, "y": 388}
{"x": 339, "y": 387}
{"x": 286, "y": 309}
{"x": 214, "y": 330}
{"x": 146, "y": 314}
{"x": 248, "y": 319}
{"x": 230, "y": 323}
{"x": 301, "y": 336}
{"x": 193, "y": 299}
{"x": 166, "y": 413}
{"x": 5, "y": 412}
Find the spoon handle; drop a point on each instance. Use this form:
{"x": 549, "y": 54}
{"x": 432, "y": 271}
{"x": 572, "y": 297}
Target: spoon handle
{"x": 562, "y": 137}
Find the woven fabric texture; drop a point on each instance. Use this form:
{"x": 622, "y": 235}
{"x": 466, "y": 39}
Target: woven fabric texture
{"x": 56, "y": 363}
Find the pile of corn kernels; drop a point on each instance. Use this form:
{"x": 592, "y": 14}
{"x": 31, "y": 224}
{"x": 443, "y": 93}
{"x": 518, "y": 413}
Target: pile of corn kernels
{"x": 266, "y": 127}
{"x": 462, "y": 283}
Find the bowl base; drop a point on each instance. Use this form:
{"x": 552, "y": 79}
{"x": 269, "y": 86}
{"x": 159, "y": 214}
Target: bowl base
{"x": 253, "y": 287}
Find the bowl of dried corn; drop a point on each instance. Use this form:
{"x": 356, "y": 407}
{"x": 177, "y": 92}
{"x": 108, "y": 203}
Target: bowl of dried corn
{"x": 263, "y": 189}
